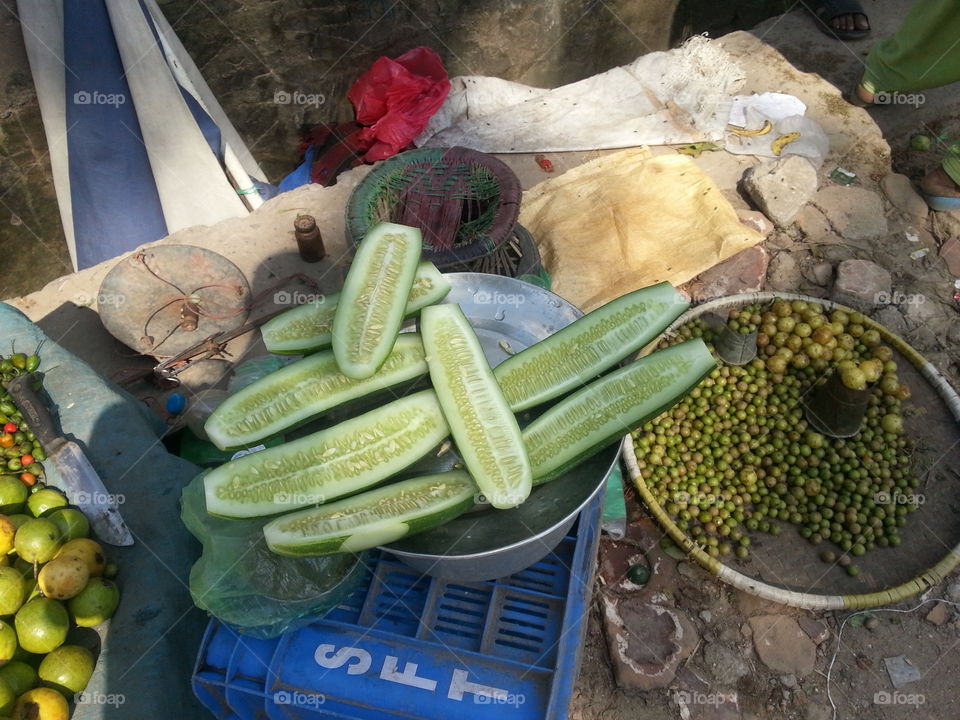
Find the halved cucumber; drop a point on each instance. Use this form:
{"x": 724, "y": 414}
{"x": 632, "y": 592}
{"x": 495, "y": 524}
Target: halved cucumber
{"x": 294, "y": 394}
{"x": 608, "y": 408}
{"x": 582, "y": 350}
{"x": 340, "y": 460}
{"x": 308, "y": 328}
{"x": 374, "y": 298}
{"x": 373, "y": 518}
{"x": 482, "y": 424}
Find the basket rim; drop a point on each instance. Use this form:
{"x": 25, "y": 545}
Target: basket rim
{"x": 794, "y": 598}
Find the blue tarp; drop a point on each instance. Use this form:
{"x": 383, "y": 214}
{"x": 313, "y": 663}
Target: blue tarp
{"x": 148, "y": 648}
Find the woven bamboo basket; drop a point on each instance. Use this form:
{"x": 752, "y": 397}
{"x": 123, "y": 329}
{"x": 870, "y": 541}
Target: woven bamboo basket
{"x": 465, "y": 202}
{"x": 809, "y": 600}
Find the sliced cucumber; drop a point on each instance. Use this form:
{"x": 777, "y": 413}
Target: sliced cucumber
{"x": 482, "y": 424}
{"x": 308, "y": 328}
{"x": 608, "y": 408}
{"x": 373, "y": 518}
{"x": 340, "y": 460}
{"x": 587, "y": 347}
{"x": 294, "y": 394}
{"x": 374, "y": 298}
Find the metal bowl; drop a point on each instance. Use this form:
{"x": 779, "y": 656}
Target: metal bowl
{"x": 508, "y": 315}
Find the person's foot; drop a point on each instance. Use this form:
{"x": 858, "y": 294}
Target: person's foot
{"x": 865, "y": 96}
{"x": 850, "y": 21}
{"x": 843, "y": 19}
{"x": 938, "y": 184}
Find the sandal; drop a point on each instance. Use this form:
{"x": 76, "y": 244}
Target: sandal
{"x": 941, "y": 203}
{"x": 829, "y": 10}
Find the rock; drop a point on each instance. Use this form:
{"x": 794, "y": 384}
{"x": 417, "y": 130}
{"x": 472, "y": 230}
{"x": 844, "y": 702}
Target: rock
{"x": 741, "y": 273}
{"x": 749, "y": 604}
{"x": 783, "y": 273}
{"x": 789, "y": 681}
{"x": 756, "y": 220}
{"x": 690, "y": 570}
{"x": 820, "y": 273}
{"x": 699, "y": 700}
{"x": 815, "y": 630}
{"x": 782, "y": 646}
{"x": 919, "y": 310}
{"x": 615, "y": 559}
{"x": 953, "y": 591}
{"x": 901, "y": 670}
{"x": 901, "y": 194}
{"x": 726, "y": 663}
{"x": 646, "y": 642}
{"x": 817, "y": 711}
{"x": 706, "y": 615}
{"x": 781, "y": 187}
{"x": 855, "y": 213}
{"x": 813, "y": 224}
{"x": 939, "y": 614}
{"x": 643, "y": 537}
{"x": 862, "y": 284}
{"x": 946, "y": 225}
{"x": 950, "y": 252}
{"x": 892, "y": 319}
{"x": 923, "y": 338}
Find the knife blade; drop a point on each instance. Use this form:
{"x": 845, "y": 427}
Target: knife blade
{"x": 82, "y": 485}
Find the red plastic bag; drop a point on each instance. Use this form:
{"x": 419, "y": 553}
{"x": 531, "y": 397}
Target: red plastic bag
{"x": 396, "y": 98}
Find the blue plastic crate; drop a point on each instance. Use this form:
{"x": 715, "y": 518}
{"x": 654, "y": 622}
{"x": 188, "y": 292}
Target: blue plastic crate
{"x": 415, "y": 647}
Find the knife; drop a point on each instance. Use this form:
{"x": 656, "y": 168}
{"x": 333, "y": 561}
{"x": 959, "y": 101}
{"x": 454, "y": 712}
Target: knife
{"x": 83, "y": 486}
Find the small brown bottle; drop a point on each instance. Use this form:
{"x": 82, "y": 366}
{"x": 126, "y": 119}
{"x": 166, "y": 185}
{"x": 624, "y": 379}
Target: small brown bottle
{"x": 309, "y": 242}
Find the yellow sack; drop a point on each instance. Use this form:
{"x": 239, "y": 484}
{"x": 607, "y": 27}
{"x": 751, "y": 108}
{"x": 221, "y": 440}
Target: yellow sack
{"x": 627, "y": 220}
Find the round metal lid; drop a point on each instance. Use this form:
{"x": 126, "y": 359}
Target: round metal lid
{"x": 164, "y": 299}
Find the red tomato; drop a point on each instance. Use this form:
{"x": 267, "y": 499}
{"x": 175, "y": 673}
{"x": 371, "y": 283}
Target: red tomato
{"x": 10, "y": 428}
{"x": 26, "y": 460}
{"x": 28, "y": 479}
{"x": 6, "y": 440}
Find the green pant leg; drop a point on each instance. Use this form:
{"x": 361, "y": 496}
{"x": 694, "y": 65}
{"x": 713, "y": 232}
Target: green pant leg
{"x": 924, "y": 52}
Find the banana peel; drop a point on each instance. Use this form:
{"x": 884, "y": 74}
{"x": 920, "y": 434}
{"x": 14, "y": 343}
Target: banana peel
{"x": 744, "y": 132}
{"x": 694, "y": 149}
{"x": 781, "y": 142}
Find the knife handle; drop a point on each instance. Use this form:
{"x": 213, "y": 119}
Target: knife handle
{"x": 34, "y": 410}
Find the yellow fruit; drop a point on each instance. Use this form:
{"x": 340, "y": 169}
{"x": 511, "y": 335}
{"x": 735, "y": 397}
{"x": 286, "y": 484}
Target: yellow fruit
{"x": 19, "y": 675}
{"x": 7, "y": 697}
{"x": 63, "y": 577}
{"x": 42, "y": 625}
{"x": 13, "y": 590}
{"x": 739, "y": 130}
{"x": 41, "y": 704}
{"x": 67, "y": 669}
{"x": 8, "y": 532}
{"x": 8, "y": 642}
{"x": 96, "y": 603}
{"x": 87, "y": 550}
{"x": 781, "y": 142}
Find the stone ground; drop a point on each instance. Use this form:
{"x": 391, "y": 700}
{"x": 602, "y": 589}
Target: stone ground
{"x": 745, "y": 657}
{"x": 686, "y": 645}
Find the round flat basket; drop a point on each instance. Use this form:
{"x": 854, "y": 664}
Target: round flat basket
{"x": 465, "y": 202}
{"x": 786, "y": 568}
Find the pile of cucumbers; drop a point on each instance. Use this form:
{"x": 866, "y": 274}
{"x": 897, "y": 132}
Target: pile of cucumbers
{"x": 320, "y": 485}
